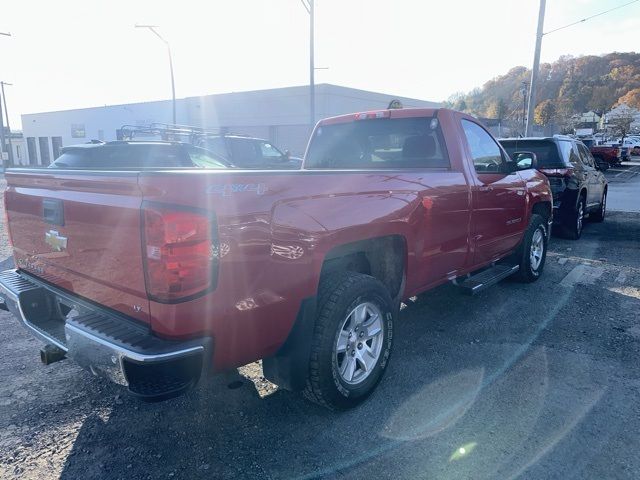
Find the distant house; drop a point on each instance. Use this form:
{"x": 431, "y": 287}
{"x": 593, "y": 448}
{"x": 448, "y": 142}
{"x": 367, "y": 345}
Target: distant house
{"x": 586, "y": 120}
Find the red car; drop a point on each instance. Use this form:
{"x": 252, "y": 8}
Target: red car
{"x": 153, "y": 277}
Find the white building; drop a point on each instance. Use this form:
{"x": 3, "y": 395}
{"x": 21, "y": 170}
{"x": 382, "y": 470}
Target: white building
{"x": 624, "y": 111}
{"x": 280, "y": 115}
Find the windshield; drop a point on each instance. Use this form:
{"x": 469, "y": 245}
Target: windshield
{"x": 546, "y": 151}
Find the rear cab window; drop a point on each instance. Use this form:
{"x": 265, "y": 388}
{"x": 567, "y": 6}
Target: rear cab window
{"x": 378, "y": 143}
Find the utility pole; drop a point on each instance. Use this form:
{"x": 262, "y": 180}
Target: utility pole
{"x": 6, "y": 113}
{"x": 524, "y": 89}
{"x": 312, "y": 68}
{"x": 534, "y": 72}
{"x": 310, "y": 8}
{"x": 2, "y": 144}
{"x": 173, "y": 84}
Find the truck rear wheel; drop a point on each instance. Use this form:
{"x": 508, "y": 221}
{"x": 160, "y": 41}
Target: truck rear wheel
{"x": 352, "y": 340}
{"x": 532, "y": 252}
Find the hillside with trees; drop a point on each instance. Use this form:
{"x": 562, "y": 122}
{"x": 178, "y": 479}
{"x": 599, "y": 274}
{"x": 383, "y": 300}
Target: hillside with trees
{"x": 568, "y": 86}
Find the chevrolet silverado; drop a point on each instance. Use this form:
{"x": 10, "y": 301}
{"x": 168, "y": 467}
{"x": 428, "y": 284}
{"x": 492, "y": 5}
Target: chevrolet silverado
{"x": 154, "y": 277}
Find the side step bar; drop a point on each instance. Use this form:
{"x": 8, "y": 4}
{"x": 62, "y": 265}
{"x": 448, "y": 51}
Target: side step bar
{"x": 486, "y": 278}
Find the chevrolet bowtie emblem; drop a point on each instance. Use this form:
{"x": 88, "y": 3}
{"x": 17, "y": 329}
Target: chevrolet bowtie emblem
{"x": 55, "y": 240}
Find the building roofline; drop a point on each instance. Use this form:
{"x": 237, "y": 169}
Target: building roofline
{"x": 319, "y": 90}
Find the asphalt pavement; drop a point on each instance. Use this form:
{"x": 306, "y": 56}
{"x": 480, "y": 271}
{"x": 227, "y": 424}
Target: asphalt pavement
{"x": 625, "y": 192}
{"x": 534, "y": 381}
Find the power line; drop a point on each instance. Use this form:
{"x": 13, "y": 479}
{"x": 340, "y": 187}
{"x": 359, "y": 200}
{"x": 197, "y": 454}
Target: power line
{"x": 589, "y": 18}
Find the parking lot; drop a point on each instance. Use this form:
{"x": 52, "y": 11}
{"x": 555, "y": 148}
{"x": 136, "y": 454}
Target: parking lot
{"x": 530, "y": 381}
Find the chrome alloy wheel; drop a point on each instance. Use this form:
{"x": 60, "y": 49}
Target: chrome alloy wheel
{"x": 359, "y": 343}
{"x": 537, "y": 249}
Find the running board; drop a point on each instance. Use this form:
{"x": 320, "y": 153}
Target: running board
{"x": 483, "y": 280}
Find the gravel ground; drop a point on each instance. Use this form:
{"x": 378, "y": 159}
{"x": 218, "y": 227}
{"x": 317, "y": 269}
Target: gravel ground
{"x": 532, "y": 381}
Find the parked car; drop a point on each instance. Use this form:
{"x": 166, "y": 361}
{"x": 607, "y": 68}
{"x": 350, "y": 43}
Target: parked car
{"x": 137, "y": 154}
{"x": 242, "y": 151}
{"x": 154, "y": 277}
{"x": 633, "y": 143}
{"x": 625, "y": 150}
{"x": 250, "y": 152}
{"x": 578, "y": 184}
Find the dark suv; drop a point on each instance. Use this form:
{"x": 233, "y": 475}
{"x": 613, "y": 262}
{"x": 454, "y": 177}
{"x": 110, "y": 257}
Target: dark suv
{"x": 249, "y": 152}
{"x": 578, "y": 184}
{"x": 137, "y": 154}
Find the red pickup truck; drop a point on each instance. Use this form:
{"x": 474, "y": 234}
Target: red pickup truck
{"x": 153, "y": 277}
{"x": 606, "y": 153}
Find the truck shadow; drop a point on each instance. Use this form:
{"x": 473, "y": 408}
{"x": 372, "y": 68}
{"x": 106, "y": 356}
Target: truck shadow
{"x": 467, "y": 395}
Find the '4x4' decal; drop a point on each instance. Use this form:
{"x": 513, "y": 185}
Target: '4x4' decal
{"x": 229, "y": 188}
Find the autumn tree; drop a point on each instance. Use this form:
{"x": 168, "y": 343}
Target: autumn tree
{"x": 497, "y": 109}
{"x": 545, "y": 113}
{"x": 631, "y": 98}
{"x": 460, "y": 105}
{"x": 578, "y": 83}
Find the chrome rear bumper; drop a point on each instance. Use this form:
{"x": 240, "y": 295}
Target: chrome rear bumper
{"x": 107, "y": 344}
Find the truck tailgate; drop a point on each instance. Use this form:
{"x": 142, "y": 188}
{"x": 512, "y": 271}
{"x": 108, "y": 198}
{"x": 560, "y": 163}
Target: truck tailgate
{"x": 80, "y": 232}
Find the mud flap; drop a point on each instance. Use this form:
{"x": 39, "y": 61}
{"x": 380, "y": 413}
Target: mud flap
{"x": 289, "y": 367}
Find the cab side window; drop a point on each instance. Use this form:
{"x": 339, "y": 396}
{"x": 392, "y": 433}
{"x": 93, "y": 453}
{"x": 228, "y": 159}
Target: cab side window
{"x": 486, "y": 154}
{"x": 585, "y": 156}
{"x": 570, "y": 153}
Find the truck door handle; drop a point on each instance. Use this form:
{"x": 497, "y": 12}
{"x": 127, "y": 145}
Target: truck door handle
{"x": 485, "y": 188}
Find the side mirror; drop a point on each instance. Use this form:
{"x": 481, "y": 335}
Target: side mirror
{"x": 525, "y": 160}
{"x": 287, "y": 154}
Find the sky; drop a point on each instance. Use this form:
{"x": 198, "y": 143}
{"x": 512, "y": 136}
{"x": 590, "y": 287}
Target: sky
{"x": 67, "y": 54}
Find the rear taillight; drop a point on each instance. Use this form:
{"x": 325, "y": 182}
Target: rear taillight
{"x": 557, "y": 172}
{"x": 179, "y": 253}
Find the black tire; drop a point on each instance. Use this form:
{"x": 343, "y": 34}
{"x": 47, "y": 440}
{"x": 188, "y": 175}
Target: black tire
{"x": 574, "y": 222}
{"x": 602, "y": 210}
{"x": 338, "y": 295}
{"x": 529, "y": 272}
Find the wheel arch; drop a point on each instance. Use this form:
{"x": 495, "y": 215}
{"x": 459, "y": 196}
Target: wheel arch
{"x": 543, "y": 208}
{"x": 384, "y": 258}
